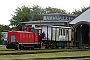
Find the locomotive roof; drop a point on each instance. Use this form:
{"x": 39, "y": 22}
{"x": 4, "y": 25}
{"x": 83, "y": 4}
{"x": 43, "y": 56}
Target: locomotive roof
{"x": 20, "y": 31}
{"x": 61, "y": 27}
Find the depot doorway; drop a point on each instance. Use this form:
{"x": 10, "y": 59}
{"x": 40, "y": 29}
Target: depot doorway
{"x": 82, "y": 32}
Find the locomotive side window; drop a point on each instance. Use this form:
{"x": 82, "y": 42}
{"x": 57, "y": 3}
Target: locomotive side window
{"x": 32, "y": 30}
{"x": 13, "y": 38}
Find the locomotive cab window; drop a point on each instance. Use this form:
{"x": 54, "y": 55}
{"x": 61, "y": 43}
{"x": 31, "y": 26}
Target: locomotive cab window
{"x": 32, "y": 30}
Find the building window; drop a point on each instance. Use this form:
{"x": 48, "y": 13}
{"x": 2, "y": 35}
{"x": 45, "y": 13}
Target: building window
{"x": 44, "y": 18}
{"x": 50, "y": 17}
{"x": 65, "y": 17}
{"x": 53, "y": 17}
{"x": 58, "y": 17}
{"x": 61, "y": 17}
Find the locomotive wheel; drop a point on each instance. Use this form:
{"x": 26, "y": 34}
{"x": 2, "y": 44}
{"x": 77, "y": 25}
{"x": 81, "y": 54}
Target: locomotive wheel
{"x": 7, "y": 47}
{"x": 57, "y": 47}
{"x": 16, "y": 47}
{"x": 46, "y": 47}
{"x": 21, "y": 47}
{"x": 63, "y": 47}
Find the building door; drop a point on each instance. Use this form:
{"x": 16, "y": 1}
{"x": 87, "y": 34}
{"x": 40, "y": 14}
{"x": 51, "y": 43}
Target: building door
{"x": 82, "y": 32}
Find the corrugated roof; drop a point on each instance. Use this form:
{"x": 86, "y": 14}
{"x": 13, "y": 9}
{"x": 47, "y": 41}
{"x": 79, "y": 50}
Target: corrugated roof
{"x": 85, "y": 16}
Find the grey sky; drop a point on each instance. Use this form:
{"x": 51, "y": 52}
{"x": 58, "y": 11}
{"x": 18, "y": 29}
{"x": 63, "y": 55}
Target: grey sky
{"x": 8, "y": 6}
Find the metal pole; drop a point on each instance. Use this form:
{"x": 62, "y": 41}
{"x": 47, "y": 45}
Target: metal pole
{"x": 40, "y": 17}
{"x": 47, "y": 33}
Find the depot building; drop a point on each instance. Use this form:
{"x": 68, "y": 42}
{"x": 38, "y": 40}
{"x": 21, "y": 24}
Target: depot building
{"x": 81, "y": 28}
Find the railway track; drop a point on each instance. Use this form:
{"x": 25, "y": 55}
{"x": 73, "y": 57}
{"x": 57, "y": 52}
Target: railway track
{"x": 54, "y": 58}
{"x": 39, "y": 52}
{"x": 72, "y": 57}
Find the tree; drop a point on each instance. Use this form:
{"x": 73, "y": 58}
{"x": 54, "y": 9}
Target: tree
{"x": 54, "y": 10}
{"x": 0, "y": 32}
{"x": 37, "y": 12}
{"x": 79, "y": 11}
{"x": 25, "y": 14}
{"x": 20, "y": 15}
{"x": 3, "y": 28}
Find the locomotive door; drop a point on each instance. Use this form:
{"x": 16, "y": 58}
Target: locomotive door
{"x": 37, "y": 35}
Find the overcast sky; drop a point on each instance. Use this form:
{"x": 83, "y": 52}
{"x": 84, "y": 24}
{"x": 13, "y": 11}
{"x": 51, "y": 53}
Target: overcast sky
{"x": 8, "y": 6}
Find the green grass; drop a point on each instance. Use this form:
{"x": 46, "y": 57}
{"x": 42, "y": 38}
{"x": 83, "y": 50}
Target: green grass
{"x": 2, "y": 47}
{"x": 47, "y": 50}
{"x": 43, "y": 55}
